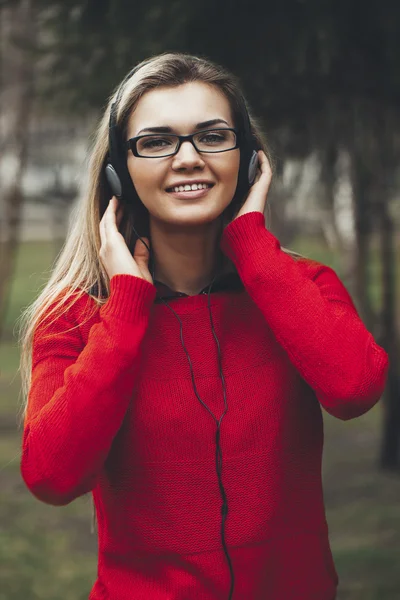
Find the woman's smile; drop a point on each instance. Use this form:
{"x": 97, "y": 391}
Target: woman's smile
{"x": 187, "y": 192}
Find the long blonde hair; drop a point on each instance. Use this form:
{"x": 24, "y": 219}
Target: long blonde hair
{"x": 78, "y": 270}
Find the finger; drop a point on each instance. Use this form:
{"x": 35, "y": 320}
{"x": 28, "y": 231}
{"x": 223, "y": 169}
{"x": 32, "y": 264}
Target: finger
{"x": 263, "y": 160}
{"x": 104, "y": 223}
{"x": 265, "y": 167}
{"x": 258, "y": 176}
{"x": 265, "y": 164}
{"x": 118, "y": 212}
{"x": 109, "y": 215}
{"x": 101, "y": 225}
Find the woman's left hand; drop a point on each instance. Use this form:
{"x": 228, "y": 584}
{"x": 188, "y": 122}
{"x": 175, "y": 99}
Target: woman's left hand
{"x": 257, "y": 196}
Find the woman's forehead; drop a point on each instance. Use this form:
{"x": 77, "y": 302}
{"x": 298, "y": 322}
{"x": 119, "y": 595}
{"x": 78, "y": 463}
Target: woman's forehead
{"x": 181, "y": 108}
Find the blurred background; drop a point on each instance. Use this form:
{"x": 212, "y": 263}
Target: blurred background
{"x": 323, "y": 77}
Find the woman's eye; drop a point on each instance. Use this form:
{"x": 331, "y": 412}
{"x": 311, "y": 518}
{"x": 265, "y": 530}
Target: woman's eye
{"x": 156, "y": 143}
{"x": 212, "y": 138}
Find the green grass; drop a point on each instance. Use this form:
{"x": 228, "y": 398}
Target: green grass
{"x": 362, "y": 509}
{"x": 45, "y": 549}
{"x": 9, "y": 355}
{"x": 33, "y": 264}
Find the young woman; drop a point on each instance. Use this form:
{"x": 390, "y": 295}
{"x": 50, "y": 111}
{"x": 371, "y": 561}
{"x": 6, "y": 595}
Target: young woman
{"x": 180, "y": 377}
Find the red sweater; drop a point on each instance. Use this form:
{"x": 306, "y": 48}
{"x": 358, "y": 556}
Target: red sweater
{"x": 112, "y": 410}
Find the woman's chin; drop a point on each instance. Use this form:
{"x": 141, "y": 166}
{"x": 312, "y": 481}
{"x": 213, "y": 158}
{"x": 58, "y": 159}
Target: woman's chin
{"x": 190, "y": 212}
{"x": 193, "y": 217}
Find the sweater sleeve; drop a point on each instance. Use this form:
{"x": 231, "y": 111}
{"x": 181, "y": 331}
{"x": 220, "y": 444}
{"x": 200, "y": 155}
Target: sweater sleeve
{"x": 312, "y": 316}
{"x": 80, "y": 393}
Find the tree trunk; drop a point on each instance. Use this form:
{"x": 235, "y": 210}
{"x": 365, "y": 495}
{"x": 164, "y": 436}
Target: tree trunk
{"x": 362, "y": 236}
{"x": 390, "y": 446}
{"x": 23, "y": 28}
{"x": 328, "y": 159}
{"x": 391, "y": 422}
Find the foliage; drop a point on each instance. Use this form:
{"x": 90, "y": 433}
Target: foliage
{"x": 293, "y": 56}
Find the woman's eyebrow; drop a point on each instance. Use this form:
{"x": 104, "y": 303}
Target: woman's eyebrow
{"x": 166, "y": 129}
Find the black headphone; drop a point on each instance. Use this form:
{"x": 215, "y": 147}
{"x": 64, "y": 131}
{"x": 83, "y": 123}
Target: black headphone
{"x": 120, "y": 182}
{"x": 116, "y": 170}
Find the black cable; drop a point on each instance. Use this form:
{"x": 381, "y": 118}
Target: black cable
{"x": 224, "y": 508}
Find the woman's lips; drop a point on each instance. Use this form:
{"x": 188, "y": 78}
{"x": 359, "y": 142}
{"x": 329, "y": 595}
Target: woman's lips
{"x": 191, "y": 194}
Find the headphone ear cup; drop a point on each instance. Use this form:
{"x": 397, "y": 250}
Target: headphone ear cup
{"x": 113, "y": 180}
{"x": 253, "y": 166}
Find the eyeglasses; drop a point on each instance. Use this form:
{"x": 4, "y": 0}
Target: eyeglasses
{"x": 158, "y": 145}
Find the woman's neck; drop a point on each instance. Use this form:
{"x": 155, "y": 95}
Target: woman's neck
{"x": 186, "y": 262}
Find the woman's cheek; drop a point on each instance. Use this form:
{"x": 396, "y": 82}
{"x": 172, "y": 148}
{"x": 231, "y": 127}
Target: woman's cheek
{"x": 143, "y": 179}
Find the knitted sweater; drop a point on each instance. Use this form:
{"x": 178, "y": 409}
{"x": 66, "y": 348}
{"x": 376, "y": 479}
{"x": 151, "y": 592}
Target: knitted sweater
{"x": 112, "y": 410}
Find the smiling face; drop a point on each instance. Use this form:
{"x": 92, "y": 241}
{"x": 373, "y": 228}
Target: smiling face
{"x": 184, "y": 110}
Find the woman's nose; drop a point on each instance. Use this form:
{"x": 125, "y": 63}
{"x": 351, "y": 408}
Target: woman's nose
{"x": 187, "y": 156}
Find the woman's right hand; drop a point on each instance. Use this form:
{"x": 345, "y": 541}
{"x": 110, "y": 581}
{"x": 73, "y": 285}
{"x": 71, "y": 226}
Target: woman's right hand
{"x": 115, "y": 254}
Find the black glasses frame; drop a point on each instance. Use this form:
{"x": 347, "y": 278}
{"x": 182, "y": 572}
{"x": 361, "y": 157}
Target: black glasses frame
{"x": 132, "y": 142}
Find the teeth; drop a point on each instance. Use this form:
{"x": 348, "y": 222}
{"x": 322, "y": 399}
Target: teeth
{"x": 193, "y": 187}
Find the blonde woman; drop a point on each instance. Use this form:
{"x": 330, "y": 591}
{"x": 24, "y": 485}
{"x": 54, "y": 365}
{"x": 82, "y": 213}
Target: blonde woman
{"x": 176, "y": 363}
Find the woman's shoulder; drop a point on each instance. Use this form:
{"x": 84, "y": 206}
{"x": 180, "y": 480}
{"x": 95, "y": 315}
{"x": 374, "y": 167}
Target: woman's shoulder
{"x": 326, "y": 278}
{"x": 69, "y": 307}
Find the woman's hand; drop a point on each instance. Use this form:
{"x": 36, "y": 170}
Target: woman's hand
{"x": 257, "y": 197}
{"x": 114, "y": 253}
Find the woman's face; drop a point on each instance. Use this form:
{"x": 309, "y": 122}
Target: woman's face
{"x": 182, "y": 109}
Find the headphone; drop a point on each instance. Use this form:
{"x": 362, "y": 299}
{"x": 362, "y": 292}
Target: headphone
{"x": 121, "y": 185}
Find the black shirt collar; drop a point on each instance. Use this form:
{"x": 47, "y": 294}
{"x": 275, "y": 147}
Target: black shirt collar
{"x": 229, "y": 281}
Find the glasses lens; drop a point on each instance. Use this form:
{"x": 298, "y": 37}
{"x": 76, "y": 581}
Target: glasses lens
{"x": 157, "y": 145}
{"x": 215, "y": 140}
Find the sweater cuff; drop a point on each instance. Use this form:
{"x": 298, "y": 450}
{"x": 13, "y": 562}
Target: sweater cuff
{"x": 130, "y": 298}
{"x": 246, "y": 234}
